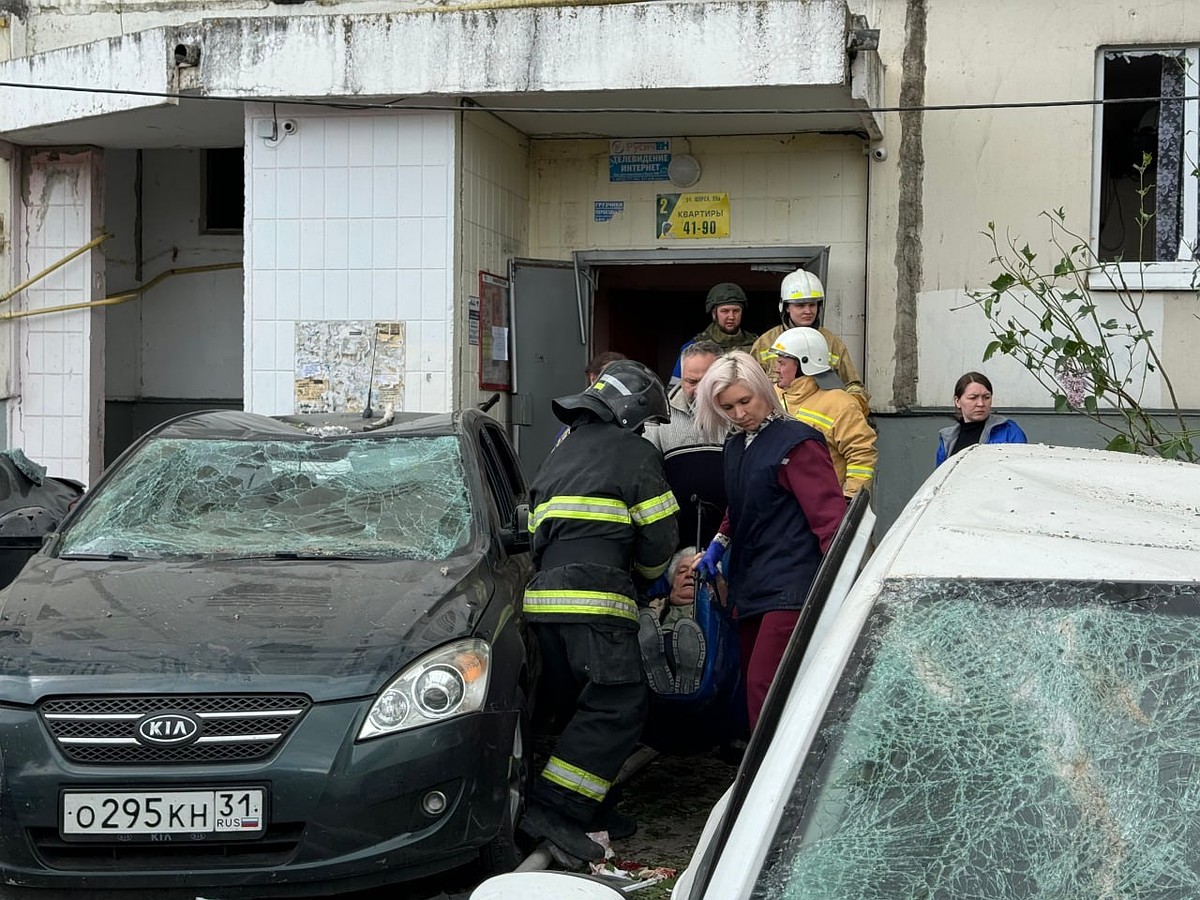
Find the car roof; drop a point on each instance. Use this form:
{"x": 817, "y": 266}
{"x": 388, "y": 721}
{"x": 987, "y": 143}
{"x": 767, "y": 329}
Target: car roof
{"x": 227, "y": 424}
{"x": 1032, "y": 511}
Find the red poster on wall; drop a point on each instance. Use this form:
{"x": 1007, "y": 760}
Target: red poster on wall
{"x": 495, "y": 362}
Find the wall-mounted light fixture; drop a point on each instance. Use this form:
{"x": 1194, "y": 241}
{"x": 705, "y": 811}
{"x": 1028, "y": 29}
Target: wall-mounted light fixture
{"x": 683, "y": 170}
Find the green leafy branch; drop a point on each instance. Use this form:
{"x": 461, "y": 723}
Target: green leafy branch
{"x": 1043, "y": 314}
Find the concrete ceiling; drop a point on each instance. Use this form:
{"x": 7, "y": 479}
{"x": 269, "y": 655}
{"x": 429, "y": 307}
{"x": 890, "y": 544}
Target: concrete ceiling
{"x": 219, "y": 123}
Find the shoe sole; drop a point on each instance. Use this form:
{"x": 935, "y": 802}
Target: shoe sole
{"x": 689, "y": 656}
{"x": 654, "y": 658}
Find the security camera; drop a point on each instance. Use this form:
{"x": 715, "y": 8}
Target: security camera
{"x": 289, "y": 126}
{"x": 879, "y": 153}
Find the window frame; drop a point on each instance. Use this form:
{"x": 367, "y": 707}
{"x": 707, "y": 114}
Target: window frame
{"x": 498, "y": 476}
{"x": 1158, "y": 275}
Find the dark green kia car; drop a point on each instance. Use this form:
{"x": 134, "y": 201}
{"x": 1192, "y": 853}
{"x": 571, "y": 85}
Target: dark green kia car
{"x": 263, "y": 658}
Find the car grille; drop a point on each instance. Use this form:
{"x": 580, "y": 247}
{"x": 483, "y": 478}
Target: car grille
{"x": 274, "y": 848}
{"x": 234, "y": 728}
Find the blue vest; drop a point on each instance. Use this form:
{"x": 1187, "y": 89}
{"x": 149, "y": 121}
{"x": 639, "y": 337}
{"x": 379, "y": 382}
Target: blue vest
{"x": 775, "y": 554}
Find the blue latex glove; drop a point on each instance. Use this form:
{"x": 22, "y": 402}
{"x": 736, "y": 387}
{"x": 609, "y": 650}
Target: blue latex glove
{"x": 708, "y": 562}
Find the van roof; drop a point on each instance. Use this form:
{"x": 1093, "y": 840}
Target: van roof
{"x": 1031, "y": 511}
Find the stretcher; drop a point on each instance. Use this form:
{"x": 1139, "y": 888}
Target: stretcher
{"x": 703, "y": 704}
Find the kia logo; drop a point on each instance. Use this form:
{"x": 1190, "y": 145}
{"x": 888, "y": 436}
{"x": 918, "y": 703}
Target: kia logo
{"x": 168, "y": 729}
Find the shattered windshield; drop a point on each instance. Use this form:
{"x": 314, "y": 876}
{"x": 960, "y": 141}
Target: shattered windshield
{"x": 1005, "y": 740}
{"x": 398, "y": 497}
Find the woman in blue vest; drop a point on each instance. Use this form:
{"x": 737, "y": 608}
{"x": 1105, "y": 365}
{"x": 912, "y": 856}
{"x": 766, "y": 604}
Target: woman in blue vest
{"x": 977, "y": 423}
{"x": 785, "y": 504}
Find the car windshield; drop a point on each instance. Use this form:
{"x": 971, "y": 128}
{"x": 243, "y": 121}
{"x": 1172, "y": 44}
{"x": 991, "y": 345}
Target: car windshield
{"x": 1005, "y": 740}
{"x": 378, "y": 497}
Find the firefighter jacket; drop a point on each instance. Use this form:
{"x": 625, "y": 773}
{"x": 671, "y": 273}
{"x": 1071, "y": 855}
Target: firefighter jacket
{"x": 839, "y": 360}
{"x": 598, "y": 508}
{"x": 840, "y": 420}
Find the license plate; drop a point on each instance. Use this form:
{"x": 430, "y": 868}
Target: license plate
{"x": 224, "y": 812}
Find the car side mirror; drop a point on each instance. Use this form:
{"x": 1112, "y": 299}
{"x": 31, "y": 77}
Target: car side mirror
{"x": 516, "y": 538}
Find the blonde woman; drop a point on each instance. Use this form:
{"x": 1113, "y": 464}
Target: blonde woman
{"x": 785, "y": 504}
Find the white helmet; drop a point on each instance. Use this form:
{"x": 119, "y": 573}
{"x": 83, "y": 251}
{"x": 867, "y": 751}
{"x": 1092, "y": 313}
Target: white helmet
{"x": 801, "y": 286}
{"x": 807, "y": 345}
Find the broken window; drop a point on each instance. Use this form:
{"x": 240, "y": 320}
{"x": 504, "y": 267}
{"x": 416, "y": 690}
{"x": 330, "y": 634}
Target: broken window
{"x": 399, "y": 497}
{"x": 1005, "y": 740}
{"x": 1150, "y": 114}
{"x": 224, "y": 191}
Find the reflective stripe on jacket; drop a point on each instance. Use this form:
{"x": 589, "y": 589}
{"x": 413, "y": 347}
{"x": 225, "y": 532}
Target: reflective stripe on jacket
{"x": 840, "y": 420}
{"x": 600, "y": 507}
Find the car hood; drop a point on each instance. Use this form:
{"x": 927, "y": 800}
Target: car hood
{"x": 332, "y": 629}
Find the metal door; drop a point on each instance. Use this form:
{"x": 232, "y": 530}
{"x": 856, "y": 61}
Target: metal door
{"x": 551, "y": 318}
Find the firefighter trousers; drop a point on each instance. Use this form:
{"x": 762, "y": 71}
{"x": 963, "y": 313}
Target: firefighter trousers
{"x": 593, "y": 676}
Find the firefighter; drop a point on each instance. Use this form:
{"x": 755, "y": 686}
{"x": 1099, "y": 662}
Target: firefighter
{"x": 599, "y": 508}
{"x": 800, "y": 298}
{"x": 810, "y": 392}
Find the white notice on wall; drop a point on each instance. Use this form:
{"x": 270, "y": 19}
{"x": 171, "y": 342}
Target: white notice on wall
{"x": 499, "y": 342}
{"x": 473, "y": 321}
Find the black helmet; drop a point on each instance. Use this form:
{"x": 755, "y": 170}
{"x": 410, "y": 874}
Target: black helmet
{"x": 626, "y": 393}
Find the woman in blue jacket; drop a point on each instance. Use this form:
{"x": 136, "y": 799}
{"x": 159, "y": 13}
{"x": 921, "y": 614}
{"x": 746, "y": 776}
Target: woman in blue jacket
{"x": 978, "y": 424}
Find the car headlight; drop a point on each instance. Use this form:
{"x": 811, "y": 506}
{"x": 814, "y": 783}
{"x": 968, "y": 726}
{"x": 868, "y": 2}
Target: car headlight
{"x": 448, "y": 682}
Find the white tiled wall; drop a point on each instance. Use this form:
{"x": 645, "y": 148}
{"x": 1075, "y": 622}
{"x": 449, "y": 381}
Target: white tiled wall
{"x": 57, "y": 417}
{"x": 349, "y": 218}
{"x": 796, "y": 190}
{"x": 494, "y": 225}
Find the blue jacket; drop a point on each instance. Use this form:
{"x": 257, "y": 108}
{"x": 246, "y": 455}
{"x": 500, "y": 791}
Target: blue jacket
{"x": 997, "y": 430}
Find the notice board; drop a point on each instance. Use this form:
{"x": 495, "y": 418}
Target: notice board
{"x": 495, "y": 363}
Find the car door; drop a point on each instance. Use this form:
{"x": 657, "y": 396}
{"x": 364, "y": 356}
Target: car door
{"x": 708, "y": 875}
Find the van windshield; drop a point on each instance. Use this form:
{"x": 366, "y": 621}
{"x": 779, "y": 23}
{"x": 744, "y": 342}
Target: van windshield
{"x": 1005, "y": 740}
{"x": 367, "y": 497}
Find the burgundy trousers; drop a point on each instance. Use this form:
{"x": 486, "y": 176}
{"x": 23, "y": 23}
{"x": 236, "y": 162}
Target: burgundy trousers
{"x": 762, "y": 640}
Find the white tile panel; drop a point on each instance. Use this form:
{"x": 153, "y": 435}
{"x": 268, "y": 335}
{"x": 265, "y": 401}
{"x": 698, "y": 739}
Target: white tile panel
{"x": 59, "y": 372}
{"x": 361, "y": 243}
{"x": 337, "y": 144}
{"x": 384, "y": 192}
{"x": 312, "y": 296}
{"x": 312, "y": 244}
{"x": 337, "y": 189}
{"x": 356, "y": 243}
{"x": 337, "y": 245}
{"x": 337, "y": 298}
{"x": 384, "y": 252}
{"x": 287, "y": 244}
{"x": 409, "y": 181}
{"x": 359, "y": 301}
{"x": 312, "y": 193}
{"x": 383, "y": 295}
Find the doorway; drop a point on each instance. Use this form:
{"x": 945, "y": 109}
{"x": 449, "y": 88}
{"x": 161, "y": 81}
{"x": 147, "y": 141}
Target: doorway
{"x": 648, "y": 312}
{"x": 646, "y": 305}
{"x": 642, "y": 303}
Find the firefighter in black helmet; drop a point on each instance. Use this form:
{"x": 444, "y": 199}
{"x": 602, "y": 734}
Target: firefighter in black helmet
{"x": 600, "y": 510}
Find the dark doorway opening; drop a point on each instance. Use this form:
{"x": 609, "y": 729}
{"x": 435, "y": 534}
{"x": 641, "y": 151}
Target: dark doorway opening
{"x": 648, "y": 311}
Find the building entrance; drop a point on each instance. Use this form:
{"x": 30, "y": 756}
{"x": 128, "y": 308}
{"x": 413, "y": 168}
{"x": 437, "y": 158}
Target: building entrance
{"x": 643, "y": 304}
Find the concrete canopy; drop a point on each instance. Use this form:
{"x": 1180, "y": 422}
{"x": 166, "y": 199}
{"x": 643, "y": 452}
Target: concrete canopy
{"x": 617, "y": 70}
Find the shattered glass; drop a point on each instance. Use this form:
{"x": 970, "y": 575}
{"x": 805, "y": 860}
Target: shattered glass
{"x": 399, "y": 497}
{"x": 1005, "y": 740}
